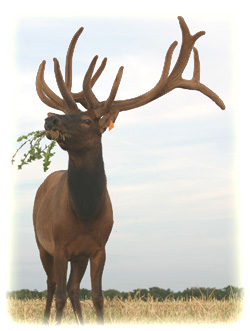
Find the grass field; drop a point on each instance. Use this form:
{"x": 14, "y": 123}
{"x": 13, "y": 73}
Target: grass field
{"x": 135, "y": 311}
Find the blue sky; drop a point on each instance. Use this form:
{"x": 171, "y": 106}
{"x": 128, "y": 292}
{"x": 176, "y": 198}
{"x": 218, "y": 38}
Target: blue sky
{"x": 170, "y": 165}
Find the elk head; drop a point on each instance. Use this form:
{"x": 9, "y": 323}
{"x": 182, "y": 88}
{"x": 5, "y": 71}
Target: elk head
{"x": 85, "y": 126}
{"x": 82, "y": 128}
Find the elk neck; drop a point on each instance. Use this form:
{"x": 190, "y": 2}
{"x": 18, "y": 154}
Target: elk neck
{"x": 87, "y": 183}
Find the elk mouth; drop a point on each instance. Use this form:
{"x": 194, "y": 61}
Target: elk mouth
{"x": 55, "y": 134}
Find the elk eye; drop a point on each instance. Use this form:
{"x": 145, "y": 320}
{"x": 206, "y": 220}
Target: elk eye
{"x": 87, "y": 121}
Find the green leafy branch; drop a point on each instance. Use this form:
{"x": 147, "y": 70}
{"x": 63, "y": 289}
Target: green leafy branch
{"x": 37, "y": 151}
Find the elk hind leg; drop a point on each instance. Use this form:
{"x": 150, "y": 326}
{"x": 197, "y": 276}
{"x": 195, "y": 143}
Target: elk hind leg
{"x": 78, "y": 268}
{"x": 96, "y": 268}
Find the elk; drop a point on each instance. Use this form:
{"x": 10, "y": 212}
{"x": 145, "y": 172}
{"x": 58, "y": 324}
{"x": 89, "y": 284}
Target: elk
{"x": 72, "y": 212}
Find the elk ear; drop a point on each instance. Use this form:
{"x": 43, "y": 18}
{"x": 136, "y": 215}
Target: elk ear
{"x": 106, "y": 119}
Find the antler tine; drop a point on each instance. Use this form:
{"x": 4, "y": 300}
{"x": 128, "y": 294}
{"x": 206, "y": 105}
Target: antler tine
{"x": 165, "y": 71}
{"x": 108, "y": 103}
{"x": 98, "y": 72}
{"x": 199, "y": 86}
{"x": 196, "y": 74}
{"x": 114, "y": 89}
{"x": 67, "y": 96}
{"x": 87, "y": 86}
{"x": 45, "y": 93}
{"x": 69, "y": 56}
{"x": 188, "y": 42}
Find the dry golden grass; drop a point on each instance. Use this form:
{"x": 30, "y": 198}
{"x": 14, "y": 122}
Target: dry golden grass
{"x": 135, "y": 311}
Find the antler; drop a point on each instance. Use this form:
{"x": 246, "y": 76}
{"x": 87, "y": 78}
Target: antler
{"x": 68, "y": 104}
{"x": 111, "y": 108}
{"x": 167, "y": 81}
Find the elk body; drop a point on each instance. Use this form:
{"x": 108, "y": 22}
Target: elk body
{"x": 72, "y": 211}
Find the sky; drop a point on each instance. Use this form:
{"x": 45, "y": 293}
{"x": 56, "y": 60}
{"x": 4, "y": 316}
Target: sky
{"x": 171, "y": 166}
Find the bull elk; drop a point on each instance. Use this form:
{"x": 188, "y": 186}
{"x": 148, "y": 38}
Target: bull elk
{"x": 72, "y": 211}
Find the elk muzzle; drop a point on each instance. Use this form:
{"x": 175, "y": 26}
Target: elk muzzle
{"x": 51, "y": 123}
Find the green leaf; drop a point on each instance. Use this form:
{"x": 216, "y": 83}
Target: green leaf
{"x": 37, "y": 151}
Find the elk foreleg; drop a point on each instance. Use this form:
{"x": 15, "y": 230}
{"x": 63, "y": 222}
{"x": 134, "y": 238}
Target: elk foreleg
{"x": 47, "y": 261}
{"x": 78, "y": 269}
{"x": 96, "y": 268}
{"x": 60, "y": 271}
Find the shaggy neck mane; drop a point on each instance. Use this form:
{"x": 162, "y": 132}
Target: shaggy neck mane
{"x": 87, "y": 183}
